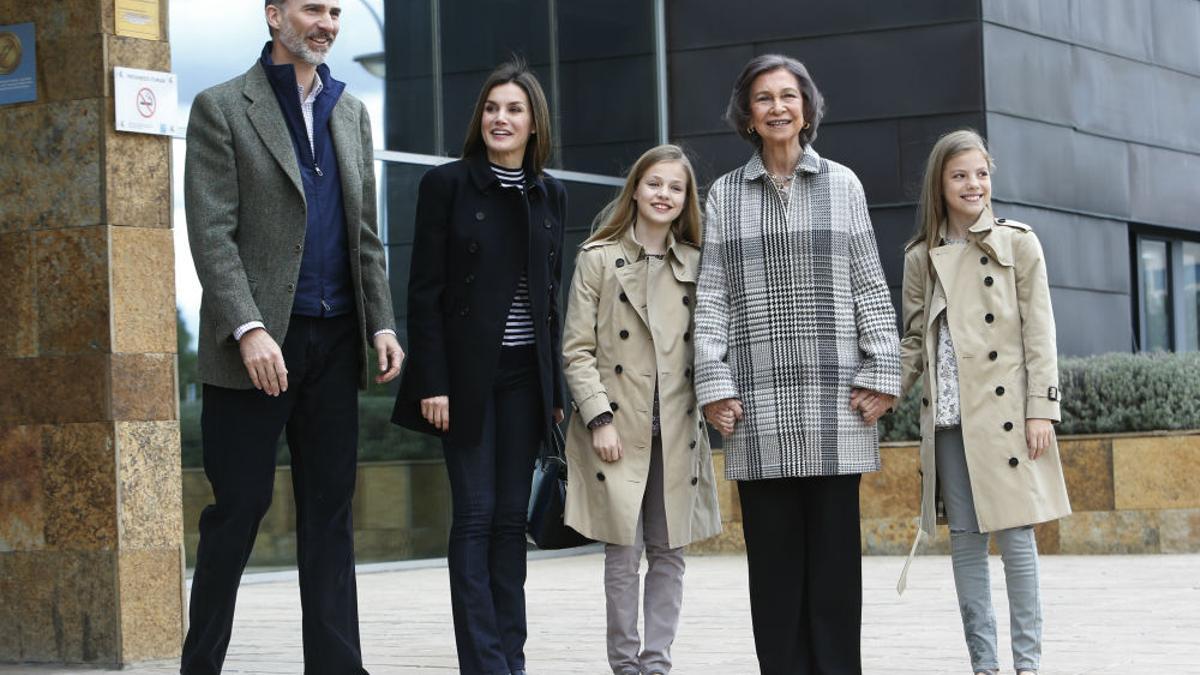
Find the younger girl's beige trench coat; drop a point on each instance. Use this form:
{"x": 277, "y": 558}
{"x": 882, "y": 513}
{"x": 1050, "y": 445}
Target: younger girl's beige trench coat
{"x": 995, "y": 295}
{"x": 620, "y": 335}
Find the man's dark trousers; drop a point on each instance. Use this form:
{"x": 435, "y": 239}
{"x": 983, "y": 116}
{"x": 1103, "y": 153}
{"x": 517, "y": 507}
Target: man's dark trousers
{"x": 240, "y": 430}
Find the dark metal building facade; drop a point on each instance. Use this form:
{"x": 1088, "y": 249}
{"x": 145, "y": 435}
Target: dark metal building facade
{"x": 1091, "y": 107}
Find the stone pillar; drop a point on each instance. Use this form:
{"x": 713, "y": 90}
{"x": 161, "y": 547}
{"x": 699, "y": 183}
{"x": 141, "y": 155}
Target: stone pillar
{"x": 90, "y": 501}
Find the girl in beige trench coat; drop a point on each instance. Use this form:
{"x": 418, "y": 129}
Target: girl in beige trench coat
{"x": 641, "y": 471}
{"x": 978, "y": 324}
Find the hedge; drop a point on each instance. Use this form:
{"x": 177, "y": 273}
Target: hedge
{"x": 1106, "y": 393}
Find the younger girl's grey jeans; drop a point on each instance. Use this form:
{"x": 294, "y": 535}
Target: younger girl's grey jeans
{"x": 969, "y": 554}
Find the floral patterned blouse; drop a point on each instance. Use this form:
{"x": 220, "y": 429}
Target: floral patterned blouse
{"x": 947, "y": 414}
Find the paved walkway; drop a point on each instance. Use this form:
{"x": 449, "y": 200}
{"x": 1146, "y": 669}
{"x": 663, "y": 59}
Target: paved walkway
{"x": 1103, "y": 614}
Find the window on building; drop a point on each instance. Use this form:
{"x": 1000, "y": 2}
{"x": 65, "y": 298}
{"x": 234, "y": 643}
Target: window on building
{"x": 1168, "y": 292}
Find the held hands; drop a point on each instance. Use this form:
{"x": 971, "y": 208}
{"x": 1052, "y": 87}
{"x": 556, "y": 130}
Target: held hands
{"x": 723, "y": 415}
{"x": 871, "y": 404}
{"x": 387, "y": 348}
{"x": 264, "y": 361}
{"x": 436, "y": 411}
{"x": 1039, "y": 434}
{"x": 606, "y": 442}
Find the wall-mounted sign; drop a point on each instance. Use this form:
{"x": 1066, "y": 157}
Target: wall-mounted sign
{"x": 18, "y": 64}
{"x": 146, "y": 101}
{"x": 139, "y": 19}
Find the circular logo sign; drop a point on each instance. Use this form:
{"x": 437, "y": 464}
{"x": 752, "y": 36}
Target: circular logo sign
{"x": 10, "y": 52}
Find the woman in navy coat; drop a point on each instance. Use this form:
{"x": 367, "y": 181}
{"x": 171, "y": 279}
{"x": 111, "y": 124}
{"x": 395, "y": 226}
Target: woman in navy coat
{"x": 484, "y": 335}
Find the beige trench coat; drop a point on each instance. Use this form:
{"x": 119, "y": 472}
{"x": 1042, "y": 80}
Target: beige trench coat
{"x": 620, "y": 336}
{"x": 995, "y": 294}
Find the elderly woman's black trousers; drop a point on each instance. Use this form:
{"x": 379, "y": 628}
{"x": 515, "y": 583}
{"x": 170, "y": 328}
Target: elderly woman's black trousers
{"x": 805, "y": 561}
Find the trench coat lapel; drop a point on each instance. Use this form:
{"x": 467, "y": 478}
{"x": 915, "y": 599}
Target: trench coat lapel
{"x": 631, "y": 275}
{"x": 268, "y": 121}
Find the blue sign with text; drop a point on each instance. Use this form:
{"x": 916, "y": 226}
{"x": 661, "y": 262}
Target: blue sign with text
{"x": 18, "y": 63}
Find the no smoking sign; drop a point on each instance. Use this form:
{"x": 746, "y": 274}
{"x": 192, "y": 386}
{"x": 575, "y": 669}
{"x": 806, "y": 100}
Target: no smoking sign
{"x": 146, "y": 101}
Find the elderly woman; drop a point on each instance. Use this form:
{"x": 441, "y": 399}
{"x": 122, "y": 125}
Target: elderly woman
{"x": 797, "y": 356}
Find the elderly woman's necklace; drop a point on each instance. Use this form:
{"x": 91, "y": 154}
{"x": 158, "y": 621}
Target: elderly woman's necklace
{"x": 783, "y": 185}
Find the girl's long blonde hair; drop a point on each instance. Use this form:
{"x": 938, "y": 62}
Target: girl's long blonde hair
{"x": 931, "y": 210}
{"x": 621, "y": 213}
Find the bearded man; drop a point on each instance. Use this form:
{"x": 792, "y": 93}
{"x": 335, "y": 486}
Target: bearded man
{"x": 280, "y": 198}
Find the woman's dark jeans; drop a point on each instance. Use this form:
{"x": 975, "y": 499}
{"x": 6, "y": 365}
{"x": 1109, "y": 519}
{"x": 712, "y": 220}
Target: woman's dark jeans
{"x": 490, "y": 484}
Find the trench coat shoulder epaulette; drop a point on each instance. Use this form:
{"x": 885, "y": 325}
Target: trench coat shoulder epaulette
{"x": 1016, "y": 224}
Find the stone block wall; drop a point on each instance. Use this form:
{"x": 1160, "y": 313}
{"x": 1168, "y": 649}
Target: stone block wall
{"x": 1129, "y": 493}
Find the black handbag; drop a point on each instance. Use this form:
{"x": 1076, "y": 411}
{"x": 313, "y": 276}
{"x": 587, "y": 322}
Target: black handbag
{"x": 548, "y": 497}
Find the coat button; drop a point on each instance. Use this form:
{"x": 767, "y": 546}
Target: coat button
{"x": 619, "y": 369}
{"x": 469, "y": 279}
{"x": 600, "y": 475}
{"x": 999, "y": 391}
{"x": 546, "y": 223}
{"x": 687, "y": 300}
{"x": 691, "y": 410}
{"x": 1001, "y": 221}
{"x": 479, "y": 215}
{"x": 624, "y": 298}
{"x": 624, "y": 334}
{"x": 473, "y": 247}
{"x": 687, "y": 372}
{"x": 983, "y": 260}
{"x": 298, "y": 248}
{"x": 992, "y": 356}
{"x": 700, "y": 424}
{"x": 988, "y": 281}
{"x": 291, "y": 287}
{"x": 692, "y": 444}
{"x": 988, "y": 317}
{"x": 465, "y": 311}
{"x": 695, "y": 480}
{"x": 1013, "y": 461}
{"x": 614, "y": 406}
{"x": 552, "y": 254}
{"x": 925, "y": 402}
{"x": 620, "y": 262}
{"x": 687, "y": 337}
{"x": 1008, "y": 426}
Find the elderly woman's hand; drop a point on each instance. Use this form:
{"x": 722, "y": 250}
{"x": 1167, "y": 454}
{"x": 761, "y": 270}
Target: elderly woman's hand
{"x": 723, "y": 415}
{"x": 871, "y": 404}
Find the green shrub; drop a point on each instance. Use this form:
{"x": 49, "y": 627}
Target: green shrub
{"x": 1106, "y": 393}
{"x": 378, "y": 438}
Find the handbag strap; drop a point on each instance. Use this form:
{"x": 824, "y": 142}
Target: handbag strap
{"x": 555, "y": 446}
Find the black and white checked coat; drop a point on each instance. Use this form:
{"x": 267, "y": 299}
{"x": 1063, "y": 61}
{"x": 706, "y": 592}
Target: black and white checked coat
{"x": 792, "y": 311}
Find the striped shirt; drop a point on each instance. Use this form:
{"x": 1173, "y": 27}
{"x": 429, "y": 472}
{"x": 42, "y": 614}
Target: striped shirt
{"x": 518, "y": 327}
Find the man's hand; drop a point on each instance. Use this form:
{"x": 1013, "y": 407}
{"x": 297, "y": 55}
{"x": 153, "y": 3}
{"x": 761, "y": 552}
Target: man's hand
{"x": 723, "y": 415}
{"x": 264, "y": 361}
{"x": 436, "y": 411}
{"x": 387, "y": 348}
{"x": 559, "y": 416}
{"x": 1039, "y": 434}
{"x": 871, "y": 404}
{"x": 606, "y": 442}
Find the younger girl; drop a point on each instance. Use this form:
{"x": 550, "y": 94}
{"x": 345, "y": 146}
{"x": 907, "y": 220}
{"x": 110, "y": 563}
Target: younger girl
{"x": 641, "y": 473}
{"x": 978, "y": 324}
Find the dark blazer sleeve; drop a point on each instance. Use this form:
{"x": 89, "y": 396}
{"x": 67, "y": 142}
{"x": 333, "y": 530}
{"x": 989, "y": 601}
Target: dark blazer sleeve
{"x": 428, "y": 373}
{"x": 377, "y": 295}
{"x": 556, "y": 310}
